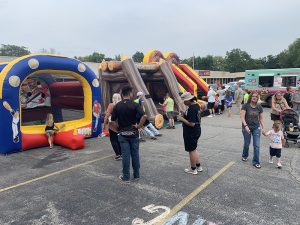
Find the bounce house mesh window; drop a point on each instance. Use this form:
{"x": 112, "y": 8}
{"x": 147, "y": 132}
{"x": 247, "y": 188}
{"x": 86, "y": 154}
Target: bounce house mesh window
{"x": 61, "y": 95}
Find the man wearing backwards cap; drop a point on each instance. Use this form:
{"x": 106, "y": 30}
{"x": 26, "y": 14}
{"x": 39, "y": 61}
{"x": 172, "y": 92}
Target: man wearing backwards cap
{"x": 191, "y": 120}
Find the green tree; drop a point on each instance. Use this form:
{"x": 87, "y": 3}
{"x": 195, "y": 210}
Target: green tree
{"x": 291, "y": 56}
{"x": 284, "y": 59}
{"x": 13, "y": 50}
{"x": 218, "y": 63}
{"x": 269, "y": 62}
{"x": 207, "y": 63}
{"x": 188, "y": 61}
{"x": 95, "y": 57}
{"x": 238, "y": 61}
{"x": 138, "y": 57}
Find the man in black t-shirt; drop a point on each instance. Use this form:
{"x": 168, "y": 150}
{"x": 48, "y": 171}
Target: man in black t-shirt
{"x": 125, "y": 114}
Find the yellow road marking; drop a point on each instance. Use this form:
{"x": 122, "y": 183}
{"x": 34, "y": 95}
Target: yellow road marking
{"x": 53, "y": 174}
{"x": 190, "y": 197}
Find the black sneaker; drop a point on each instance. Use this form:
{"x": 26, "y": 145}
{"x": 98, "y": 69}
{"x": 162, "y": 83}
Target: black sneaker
{"x": 169, "y": 127}
{"x": 124, "y": 181}
{"x": 158, "y": 135}
{"x": 173, "y": 127}
{"x": 153, "y": 138}
{"x": 118, "y": 158}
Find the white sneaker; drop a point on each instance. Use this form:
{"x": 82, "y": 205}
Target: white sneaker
{"x": 271, "y": 160}
{"x": 189, "y": 170}
{"x": 279, "y": 165}
{"x": 199, "y": 169}
{"x": 214, "y": 114}
{"x": 210, "y": 115}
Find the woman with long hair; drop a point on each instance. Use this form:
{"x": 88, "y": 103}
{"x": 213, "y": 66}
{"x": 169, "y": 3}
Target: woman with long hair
{"x": 252, "y": 125}
{"x": 278, "y": 105}
{"x": 113, "y": 130}
{"x": 191, "y": 121}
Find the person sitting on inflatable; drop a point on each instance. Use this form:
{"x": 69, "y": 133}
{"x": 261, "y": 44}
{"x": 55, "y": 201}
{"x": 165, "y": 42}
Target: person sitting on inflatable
{"x": 50, "y": 129}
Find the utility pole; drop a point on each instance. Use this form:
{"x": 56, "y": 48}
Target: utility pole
{"x": 193, "y": 61}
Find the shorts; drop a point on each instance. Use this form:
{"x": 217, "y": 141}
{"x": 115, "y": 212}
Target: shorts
{"x": 275, "y": 152}
{"x": 210, "y": 105}
{"x": 191, "y": 141}
{"x": 275, "y": 117}
{"x": 170, "y": 115}
{"x": 228, "y": 106}
{"x": 49, "y": 132}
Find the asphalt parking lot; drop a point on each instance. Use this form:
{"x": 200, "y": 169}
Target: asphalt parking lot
{"x": 64, "y": 187}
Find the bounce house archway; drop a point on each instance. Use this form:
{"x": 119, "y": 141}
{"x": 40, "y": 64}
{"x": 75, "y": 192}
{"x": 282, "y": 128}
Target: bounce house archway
{"x": 16, "y": 137}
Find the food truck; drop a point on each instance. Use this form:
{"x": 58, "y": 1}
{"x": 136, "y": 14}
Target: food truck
{"x": 268, "y": 81}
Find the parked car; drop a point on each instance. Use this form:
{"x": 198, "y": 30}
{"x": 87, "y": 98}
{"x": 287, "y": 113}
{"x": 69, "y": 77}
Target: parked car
{"x": 232, "y": 87}
{"x": 214, "y": 86}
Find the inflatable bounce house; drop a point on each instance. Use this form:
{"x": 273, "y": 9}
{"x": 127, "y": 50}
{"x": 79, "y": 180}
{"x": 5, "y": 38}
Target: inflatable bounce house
{"x": 35, "y": 85}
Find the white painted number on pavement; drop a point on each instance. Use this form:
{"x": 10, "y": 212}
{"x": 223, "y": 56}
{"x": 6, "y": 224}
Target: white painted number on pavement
{"x": 181, "y": 218}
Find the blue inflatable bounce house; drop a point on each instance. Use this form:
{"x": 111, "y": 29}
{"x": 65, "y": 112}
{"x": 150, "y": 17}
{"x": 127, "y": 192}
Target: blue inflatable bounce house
{"x": 33, "y": 86}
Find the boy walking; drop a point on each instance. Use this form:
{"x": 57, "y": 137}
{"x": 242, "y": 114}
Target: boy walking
{"x": 169, "y": 103}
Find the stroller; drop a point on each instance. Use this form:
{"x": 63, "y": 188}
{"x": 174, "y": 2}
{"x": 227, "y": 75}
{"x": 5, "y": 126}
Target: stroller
{"x": 290, "y": 121}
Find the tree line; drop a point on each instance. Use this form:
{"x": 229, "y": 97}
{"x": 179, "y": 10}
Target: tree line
{"x": 235, "y": 60}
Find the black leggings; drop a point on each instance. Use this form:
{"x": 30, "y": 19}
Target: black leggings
{"x": 223, "y": 105}
{"x": 113, "y": 136}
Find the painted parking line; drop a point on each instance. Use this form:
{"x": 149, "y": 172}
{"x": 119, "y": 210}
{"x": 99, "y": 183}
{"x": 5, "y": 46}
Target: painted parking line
{"x": 192, "y": 195}
{"x": 53, "y": 174}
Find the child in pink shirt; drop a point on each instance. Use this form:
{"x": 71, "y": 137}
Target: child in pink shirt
{"x": 276, "y": 142}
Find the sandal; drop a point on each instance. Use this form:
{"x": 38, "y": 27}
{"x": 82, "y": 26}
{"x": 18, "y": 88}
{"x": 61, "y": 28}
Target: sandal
{"x": 258, "y": 166}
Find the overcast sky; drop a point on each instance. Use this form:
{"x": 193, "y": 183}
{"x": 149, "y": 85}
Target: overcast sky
{"x": 202, "y": 27}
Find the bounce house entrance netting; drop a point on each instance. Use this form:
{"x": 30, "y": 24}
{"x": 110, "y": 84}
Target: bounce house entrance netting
{"x": 59, "y": 94}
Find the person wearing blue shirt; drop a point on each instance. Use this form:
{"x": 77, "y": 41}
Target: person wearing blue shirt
{"x": 228, "y": 103}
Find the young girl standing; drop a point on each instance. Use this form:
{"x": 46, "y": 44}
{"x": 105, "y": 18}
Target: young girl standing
{"x": 276, "y": 141}
{"x": 50, "y": 129}
{"x": 228, "y": 103}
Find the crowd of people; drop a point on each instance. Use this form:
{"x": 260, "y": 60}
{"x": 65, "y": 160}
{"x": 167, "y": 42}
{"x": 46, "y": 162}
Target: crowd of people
{"x": 127, "y": 123}
{"x": 222, "y": 99}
